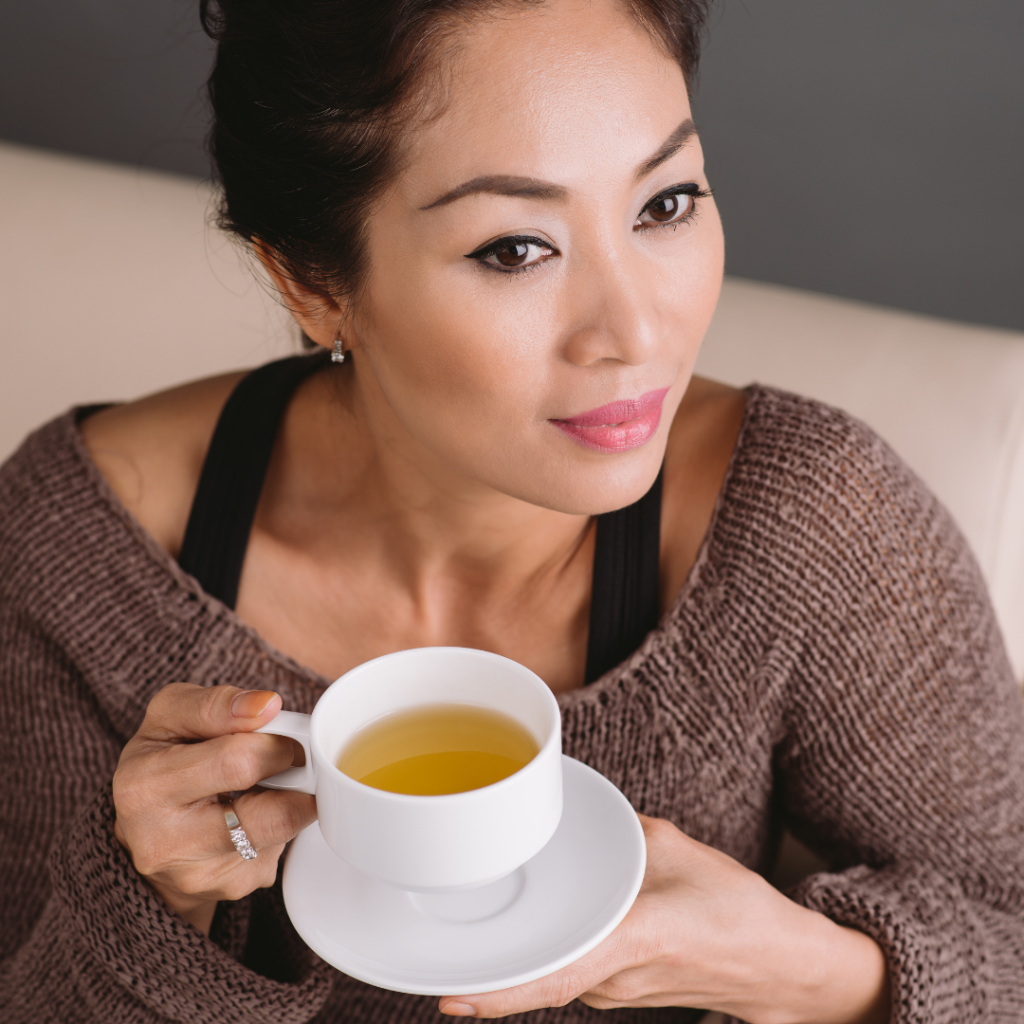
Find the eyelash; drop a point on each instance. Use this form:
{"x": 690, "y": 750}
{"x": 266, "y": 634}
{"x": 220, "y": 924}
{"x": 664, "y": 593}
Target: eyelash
{"x": 504, "y": 243}
{"x": 689, "y": 189}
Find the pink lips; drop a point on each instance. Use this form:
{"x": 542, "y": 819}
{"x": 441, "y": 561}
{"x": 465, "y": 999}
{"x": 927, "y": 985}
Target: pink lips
{"x": 617, "y": 426}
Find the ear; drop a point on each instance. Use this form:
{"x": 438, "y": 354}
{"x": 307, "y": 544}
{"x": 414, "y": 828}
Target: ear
{"x": 319, "y": 316}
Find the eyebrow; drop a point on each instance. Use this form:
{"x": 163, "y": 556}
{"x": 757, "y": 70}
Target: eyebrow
{"x": 534, "y": 188}
{"x": 502, "y": 185}
{"x": 675, "y": 142}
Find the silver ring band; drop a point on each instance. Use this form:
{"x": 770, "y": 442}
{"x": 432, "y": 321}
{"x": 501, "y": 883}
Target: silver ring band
{"x": 238, "y": 837}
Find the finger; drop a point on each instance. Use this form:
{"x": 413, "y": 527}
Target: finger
{"x": 637, "y": 986}
{"x": 191, "y": 847}
{"x": 556, "y": 989}
{"x": 182, "y": 774}
{"x": 241, "y": 880}
{"x": 185, "y": 711}
{"x": 270, "y": 820}
{"x": 275, "y": 817}
{"x": 223, "y": 876}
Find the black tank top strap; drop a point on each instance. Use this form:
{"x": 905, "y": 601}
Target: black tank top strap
{"x": 624, "y": 599}
{"x": 236, "y": 463}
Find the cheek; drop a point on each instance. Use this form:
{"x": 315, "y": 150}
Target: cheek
{"x": 691, "y": 282}
{"x": 465, "y": 363}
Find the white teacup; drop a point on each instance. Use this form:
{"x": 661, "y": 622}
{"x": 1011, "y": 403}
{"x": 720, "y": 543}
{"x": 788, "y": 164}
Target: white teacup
{"x": 429, "y": 843}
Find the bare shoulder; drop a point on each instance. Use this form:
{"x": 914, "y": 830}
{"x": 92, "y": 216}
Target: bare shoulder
{"x": 701, "y": 441}
{"x": 710, "y": 412}
{"x": 151, "y": 452}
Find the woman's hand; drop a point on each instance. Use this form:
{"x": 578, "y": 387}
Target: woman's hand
{"x": 706, "y": 932}
{"x": 194, "y": 744}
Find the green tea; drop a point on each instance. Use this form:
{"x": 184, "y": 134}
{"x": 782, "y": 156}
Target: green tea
{"x": 436, "y": 749}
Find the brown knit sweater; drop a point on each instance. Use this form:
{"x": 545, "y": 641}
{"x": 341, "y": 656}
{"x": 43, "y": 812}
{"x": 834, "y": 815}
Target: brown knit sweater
{"x": 832, "y": 663}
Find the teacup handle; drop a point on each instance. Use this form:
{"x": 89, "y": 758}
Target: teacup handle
{"x": 295, "y": 726}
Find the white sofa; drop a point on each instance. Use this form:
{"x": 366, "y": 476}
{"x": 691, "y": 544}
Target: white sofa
{"x": 112, "y": 284}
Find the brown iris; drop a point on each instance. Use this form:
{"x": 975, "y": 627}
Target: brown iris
{"x": 666, "y": 208}
{"x": 512, "y": 255}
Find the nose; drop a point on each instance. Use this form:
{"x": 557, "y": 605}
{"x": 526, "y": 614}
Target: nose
{"x": 612, "y": 311}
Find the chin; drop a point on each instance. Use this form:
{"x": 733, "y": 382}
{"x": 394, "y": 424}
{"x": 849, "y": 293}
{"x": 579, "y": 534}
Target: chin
{"x": 588, "y": 483}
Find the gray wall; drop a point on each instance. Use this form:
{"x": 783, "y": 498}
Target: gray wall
{"x": 872, "y": 149}
{"x": 116, "y": 79}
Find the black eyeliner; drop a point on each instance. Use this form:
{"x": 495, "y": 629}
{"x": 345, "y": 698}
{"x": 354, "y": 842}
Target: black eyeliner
{"x": 691, "y": 188}
{"x": 491, "y": 248}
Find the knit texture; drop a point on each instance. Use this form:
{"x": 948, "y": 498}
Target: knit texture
{"x": 831, "y": 664}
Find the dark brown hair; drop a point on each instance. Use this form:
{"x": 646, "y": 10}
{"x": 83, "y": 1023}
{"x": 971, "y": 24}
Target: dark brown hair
{"x": 309, "y": 98}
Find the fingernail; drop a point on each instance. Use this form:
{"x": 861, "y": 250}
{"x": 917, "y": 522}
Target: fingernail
{"x": 251, "y": 703}
{"x": 459, "y": 1010}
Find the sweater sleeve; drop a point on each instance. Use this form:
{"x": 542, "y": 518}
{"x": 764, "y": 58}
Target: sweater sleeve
{"x": 902, "y": 761}
{"x": 107, "y": 949}
{"x": 83, "y": 938}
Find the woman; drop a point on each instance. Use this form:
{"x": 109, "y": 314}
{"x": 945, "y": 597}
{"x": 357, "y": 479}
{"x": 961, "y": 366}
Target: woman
{"x": 495, "y": 216}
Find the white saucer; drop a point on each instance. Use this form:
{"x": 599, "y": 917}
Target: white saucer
{"x": 555, "y": 908}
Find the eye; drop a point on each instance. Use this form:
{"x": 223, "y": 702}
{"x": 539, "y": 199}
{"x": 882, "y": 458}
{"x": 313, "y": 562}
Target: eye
{"x": 514, "y": 253}
{"x": 673, "y": 206}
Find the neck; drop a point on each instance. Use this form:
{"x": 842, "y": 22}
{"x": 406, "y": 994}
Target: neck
{"x": 346, "y": 475}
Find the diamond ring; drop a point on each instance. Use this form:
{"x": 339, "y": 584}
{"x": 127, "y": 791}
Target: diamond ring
{"x": 238, "y": 837}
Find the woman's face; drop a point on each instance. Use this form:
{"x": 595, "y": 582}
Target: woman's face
{"x": 544, "y": 254}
